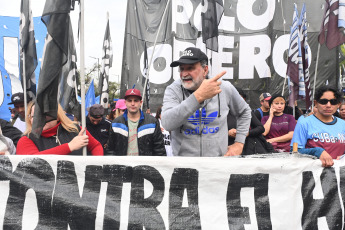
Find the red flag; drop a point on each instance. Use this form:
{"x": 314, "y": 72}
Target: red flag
{"x": 334, "y": 35}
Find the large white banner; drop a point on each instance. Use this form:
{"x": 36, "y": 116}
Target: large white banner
{"x": 61, "y": 192}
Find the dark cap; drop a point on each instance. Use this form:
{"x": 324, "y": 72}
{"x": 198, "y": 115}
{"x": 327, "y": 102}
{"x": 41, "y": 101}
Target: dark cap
{"x": 265, "y": 96}
{"x": 274, "y": 97}
{"x": 133, "y": 92}
{"x": 190, "y": 55}
{"x": 19, "y": 98}
{"x": 96, "y": 110}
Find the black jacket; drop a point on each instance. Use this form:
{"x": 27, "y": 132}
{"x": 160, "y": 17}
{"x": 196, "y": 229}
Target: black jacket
{"x": 255, "y": 141}
{"x": 11, "y": 132}
{"x": 150, "y": 137}
{"x": 100, "y": 131}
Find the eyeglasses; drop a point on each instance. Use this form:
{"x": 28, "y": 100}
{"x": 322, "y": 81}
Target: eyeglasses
{"x": 325, "y": 101}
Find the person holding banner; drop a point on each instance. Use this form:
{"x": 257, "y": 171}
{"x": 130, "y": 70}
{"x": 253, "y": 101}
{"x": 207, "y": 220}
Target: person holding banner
{"x": 322, "y": 134}
{"x": 60, "y": 136}
{"x": 195, "y": 109}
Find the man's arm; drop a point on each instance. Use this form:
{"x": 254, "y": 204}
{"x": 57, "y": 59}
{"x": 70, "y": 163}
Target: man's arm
{"x": 241, "y": 111}
{"x": 176, "y": 111}
{"x": 320, "y": 153}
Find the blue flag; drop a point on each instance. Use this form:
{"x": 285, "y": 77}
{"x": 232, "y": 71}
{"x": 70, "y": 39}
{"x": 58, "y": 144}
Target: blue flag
{"x": 90, "y": 97}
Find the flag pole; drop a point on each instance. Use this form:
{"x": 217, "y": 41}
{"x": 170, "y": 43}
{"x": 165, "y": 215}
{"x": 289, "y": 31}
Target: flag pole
{"x": 284, "y": 84}
{"x": 317, "y": 62}
{"x": 153, "y": 51}
{"x": 281, "y": 6}
{"x": 82, "y": 69}
{"x": 24, "y": 85}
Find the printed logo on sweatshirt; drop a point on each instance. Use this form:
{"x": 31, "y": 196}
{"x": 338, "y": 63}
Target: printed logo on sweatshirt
{"x": 327, "y": 138}
{"x": 200, "y": 118}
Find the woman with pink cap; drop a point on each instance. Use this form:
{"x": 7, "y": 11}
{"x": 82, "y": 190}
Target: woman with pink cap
{"x": 120, "y": 107}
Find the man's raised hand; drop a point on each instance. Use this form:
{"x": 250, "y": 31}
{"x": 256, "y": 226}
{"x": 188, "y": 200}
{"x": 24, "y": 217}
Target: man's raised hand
{"x": 209, "y": 88}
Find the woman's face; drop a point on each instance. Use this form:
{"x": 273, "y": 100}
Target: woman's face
{"x": 278, "y": 104}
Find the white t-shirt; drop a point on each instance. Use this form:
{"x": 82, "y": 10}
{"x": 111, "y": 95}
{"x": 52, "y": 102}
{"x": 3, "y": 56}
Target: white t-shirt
{"x": 19, "y": 124}
{"x": 166, "y": 137}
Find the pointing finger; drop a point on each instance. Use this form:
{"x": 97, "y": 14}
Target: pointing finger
{"x": 215, "y": 78}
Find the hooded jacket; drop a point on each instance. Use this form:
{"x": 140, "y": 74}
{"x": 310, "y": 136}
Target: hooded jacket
{"x": 150, "y": 137}
{"x": 201, "y": 129}
{"x": 99, "y": 131}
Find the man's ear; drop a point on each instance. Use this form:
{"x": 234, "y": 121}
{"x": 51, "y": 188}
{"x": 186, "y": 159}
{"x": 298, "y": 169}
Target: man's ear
{"x": 206, "y": 70}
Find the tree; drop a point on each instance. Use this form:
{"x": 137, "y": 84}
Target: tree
{"x": 114, "y": 90}
{"x": 89, "y": 75}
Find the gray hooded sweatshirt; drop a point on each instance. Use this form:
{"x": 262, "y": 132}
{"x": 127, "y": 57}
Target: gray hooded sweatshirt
{"x": 201, "y": 129}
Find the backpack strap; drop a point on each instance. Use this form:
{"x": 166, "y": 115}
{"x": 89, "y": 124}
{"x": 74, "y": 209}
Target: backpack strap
{"x": 261, "y": 112}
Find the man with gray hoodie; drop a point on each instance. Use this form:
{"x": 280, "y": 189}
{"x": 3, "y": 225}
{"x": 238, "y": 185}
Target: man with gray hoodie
{"x": 195, "y": 109}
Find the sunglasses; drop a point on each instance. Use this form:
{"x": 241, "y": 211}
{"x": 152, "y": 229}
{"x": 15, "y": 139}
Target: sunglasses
{"x": 325, "y": 101}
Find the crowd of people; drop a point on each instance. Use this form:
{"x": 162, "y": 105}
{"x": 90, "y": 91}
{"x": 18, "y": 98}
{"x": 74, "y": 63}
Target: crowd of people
{"x": 201, "y": 116}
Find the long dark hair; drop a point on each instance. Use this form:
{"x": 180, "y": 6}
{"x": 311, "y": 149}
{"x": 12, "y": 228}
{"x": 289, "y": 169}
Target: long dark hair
{"x": 159, "y": 112}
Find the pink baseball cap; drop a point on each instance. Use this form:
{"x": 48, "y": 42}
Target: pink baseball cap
{"x": 120, "y": 104}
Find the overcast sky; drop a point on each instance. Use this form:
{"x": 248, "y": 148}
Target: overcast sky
{"x": 95, "y": 23}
